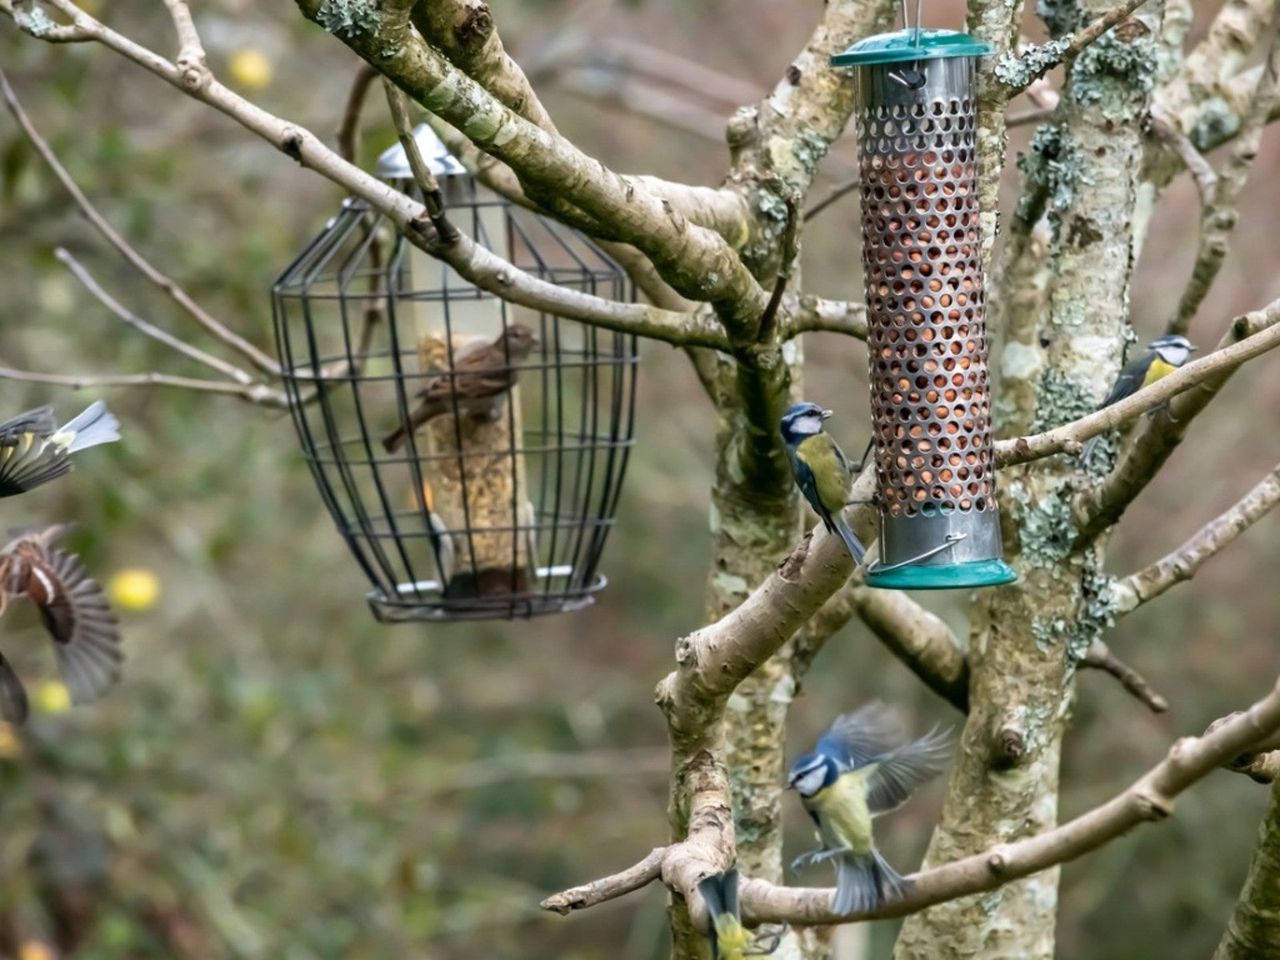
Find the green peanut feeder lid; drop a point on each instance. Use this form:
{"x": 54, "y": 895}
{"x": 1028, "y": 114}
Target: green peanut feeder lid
{"x": 904, "y": 46}
{"x": 951, "y": 576}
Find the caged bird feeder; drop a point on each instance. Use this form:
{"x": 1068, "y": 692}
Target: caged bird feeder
{"x": 470, "y": 451}
{"x": 926, "y": 342}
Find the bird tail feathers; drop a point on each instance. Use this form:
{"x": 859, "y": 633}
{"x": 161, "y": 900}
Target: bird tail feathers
{"x": 95, "y": 424}
{"x": 865, "y": 882}
{"x": 851, "y": 541}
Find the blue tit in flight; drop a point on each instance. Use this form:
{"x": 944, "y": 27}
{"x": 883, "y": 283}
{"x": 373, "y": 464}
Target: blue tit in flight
{"x": 1161, "y": 358}
{"x": 862, "y": 767}
{"x": 730, "y": 940}
{"x": 821, "y": 470}
{"x": 34, "y": 450}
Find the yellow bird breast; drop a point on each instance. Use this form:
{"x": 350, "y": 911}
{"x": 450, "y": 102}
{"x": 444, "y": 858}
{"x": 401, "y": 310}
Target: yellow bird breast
{"x": 1157, "y": 370}
{"x": 829, "y": 471}
{"x": 843, "y": 813}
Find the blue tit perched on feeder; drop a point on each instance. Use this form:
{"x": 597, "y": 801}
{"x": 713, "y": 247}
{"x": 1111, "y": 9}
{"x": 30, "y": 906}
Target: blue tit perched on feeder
{"x": 1161, "y": 358}
{"x": 34, "y": 450}
{"x": 862, "y": 767}
{"x": 821, "y": 470}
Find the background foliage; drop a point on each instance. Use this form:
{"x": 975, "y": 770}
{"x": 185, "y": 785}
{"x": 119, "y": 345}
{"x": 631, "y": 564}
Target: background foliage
{"x": 280, "y": 776}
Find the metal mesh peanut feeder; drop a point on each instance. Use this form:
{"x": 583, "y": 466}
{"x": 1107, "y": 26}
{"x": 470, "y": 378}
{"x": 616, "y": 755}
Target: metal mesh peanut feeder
{"x": 926, "y": 341}
{"x": 470, "y": 451}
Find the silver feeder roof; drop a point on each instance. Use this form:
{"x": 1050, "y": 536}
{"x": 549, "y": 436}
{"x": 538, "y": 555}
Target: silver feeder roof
{"x": 393, "y": 164}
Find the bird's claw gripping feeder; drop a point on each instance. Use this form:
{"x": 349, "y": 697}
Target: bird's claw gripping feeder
{"x": 470, "y": 451}
{"x": 926, "y": 340}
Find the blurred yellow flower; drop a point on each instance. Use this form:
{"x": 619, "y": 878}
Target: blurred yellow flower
{"x": 52, "y": 696}
{"x": 251, "y": 68}
{"x": 35, "y": 950}
{"x": 10, "y": 745}
{"x": 134, "y": 589}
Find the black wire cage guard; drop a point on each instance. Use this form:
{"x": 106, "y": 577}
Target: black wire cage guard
{"x": 499, "y": 505}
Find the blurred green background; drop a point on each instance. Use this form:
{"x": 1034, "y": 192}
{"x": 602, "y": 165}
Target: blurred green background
{"x": 280, "y": 776}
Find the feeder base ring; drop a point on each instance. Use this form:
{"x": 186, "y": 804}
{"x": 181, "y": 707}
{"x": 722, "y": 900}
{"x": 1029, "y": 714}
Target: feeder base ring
{"x": 951, "y": 576}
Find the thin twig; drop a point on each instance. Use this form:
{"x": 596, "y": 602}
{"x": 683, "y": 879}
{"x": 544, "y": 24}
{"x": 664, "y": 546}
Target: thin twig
{"x": 1183, "y": 563}
{"x": 1100, "y": 657}
{"x": 477, "y": 265}
{"x": 608, "y": 888}
{"x": 432, "y": 198}
{"x": 1218, "y": 215}
{"x": 1201, "y": 170}
{"x": 79, "y": 271}
{"x": 1042, "y": 59}
{"x": 256, "y": 393}
{"x": 191, "y": 56}
{"x": 179, "y": 296}
{"x": 1034, "y": 115}
{"x": 786, "y": 261}
{"x": 349, "y": 131}
{"x": 835, "y": 194}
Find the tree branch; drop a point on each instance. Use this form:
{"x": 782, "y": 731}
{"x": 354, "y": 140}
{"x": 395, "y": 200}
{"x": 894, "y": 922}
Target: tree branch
{"x": 1149, "y": 799}
{"x": 432, "y": 198}
{"x": 711, "y": 662}
{"x": 256, "y": 393}
{"x": 810, "y": 314}
{"x": 918, "y": 638}
{"x": 179, "y": 296}
{"x": 479, "y": 266}
{"x": 1183, "y": 564}
{"x": 148, "y": 329}
{"x": 1251, "y": 335}
{"x": 696, "y": 260}
{"x": 1017, "y": 73}
{"x": 1100, "y": 657}
{"x": 608, "y": 888}
{"x": 1219, "y": 215}
{"x": 349, "y": 130}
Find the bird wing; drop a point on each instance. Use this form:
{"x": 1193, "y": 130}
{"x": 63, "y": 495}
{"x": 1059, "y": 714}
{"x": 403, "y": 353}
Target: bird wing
{"x": 84, "y": 630}
{"x": 895, "y": 777}
{"x": 827, "y": 463}
{"x": 808, "y": 485}
{"x": 27, "y": 461}
{"x": 1129, "y": 380}
{"x": 13, "y": 696}
{"x": 856, "y": 739}
{"x": 38, "y": 421}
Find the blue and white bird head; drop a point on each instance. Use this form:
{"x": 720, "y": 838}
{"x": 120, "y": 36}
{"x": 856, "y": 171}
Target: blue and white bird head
{"x": 802, "y": 420}
{"x": 811, "y": 773}
{"x": 1173, "y": 349}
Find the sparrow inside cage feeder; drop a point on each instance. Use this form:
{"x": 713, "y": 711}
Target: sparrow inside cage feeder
{"x": 926, "y": 340}
{"x": 470, "y": 450}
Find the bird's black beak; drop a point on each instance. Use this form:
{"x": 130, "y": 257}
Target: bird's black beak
{"x": 826, "y": 414}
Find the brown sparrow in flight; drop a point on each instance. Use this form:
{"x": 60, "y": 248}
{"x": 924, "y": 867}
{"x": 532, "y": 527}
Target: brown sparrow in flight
{"x": 73, "y": 609}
